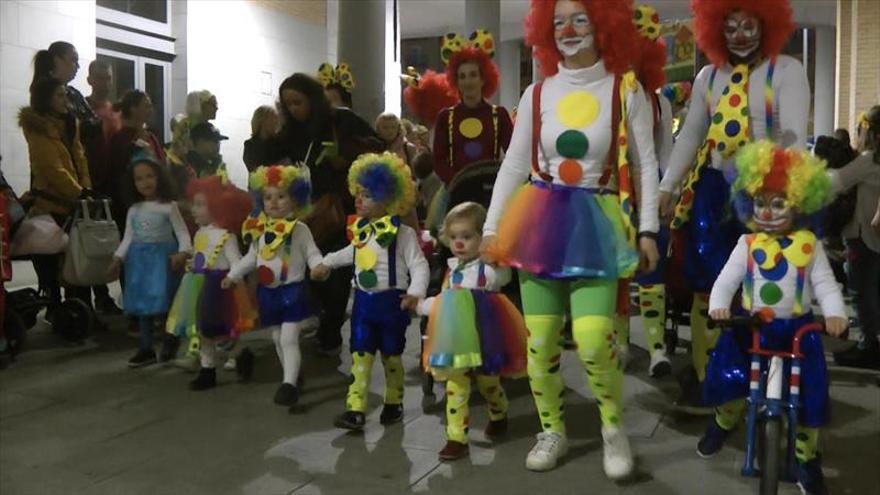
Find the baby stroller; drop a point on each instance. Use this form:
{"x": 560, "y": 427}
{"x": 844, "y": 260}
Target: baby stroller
{"x": 71, "y": 319}
{"x": 474, "y": 183}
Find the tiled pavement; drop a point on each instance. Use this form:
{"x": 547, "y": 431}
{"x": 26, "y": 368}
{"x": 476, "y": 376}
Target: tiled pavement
{"x": 75, "y": 420}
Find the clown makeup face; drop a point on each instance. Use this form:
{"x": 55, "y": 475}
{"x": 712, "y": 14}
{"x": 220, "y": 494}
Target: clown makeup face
{"x": 742, "y": 31}
{"x": 367, "y": 207}
{"x": 277, "y": 202}
{"x": 772, "y": 213}
{"x": 464, "y": 240}
{"x": 200, "y": 212}
{"x": 470, "y": 82}
{"x": 572, "y": 28}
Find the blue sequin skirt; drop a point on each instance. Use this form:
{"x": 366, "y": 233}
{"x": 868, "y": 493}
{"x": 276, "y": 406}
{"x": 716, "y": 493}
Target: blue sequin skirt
{"x": 727, "y": 375}
{"x": 712, "y": 231}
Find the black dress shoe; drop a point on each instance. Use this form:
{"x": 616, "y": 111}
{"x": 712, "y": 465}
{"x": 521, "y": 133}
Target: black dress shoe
{"x": 391, "y": 413}
{"x": 207, "y": 378}
{"x": 286, "y": 395}
{"x": 861, "y": 355}
{"x": 351, "y": 420}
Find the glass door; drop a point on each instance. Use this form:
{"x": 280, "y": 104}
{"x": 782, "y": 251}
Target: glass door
{"x": 148, "y": 75}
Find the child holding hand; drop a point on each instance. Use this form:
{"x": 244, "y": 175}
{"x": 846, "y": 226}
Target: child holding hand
{"x": 473, "y": 331}
{"x": 281, "y": 249}
{"x": 391, "y": 276}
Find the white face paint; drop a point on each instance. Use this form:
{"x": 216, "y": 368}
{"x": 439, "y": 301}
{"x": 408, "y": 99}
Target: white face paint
{"x": 573, "y": 33}
{"x": 772, "y": 213}
{"x": 742, "y": 31}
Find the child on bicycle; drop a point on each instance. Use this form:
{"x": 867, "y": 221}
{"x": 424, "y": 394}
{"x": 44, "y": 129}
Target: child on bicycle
{"x": 780, "y": 266}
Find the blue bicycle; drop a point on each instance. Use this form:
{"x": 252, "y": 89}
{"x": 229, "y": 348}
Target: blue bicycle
{"x": 768, "y": 405}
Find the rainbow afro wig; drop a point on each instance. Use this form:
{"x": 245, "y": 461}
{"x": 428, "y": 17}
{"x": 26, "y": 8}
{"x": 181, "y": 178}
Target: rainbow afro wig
{"x": 386, "y": 179}
{"x": 294, "y": 179}
{"x": 799, "y": 176}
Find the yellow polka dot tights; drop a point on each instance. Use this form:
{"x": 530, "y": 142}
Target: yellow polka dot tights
{"x": 592, "y": 303}
{"x": 652, "y": 300}
{"x": 361, "y": 370}
{"x": 702, "y": 338}
{"x": 458, "y": 392}
{"x": 806, "y": 440}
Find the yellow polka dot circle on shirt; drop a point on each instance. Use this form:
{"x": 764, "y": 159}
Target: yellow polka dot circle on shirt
{"x": 365, "y": 259}
{"x": 200, "y": 243}
{"x": 577, "y": 109}
{"x": 470, "y": 127}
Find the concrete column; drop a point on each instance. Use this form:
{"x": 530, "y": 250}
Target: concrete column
{"x": 362, "y": 45}
{"x": 508, "y": 63}
{"x": 485, "y": 14}
{"x": 844, "y": 55}
{"x": 823, "y": 92}
{"x": 332, "y": 24}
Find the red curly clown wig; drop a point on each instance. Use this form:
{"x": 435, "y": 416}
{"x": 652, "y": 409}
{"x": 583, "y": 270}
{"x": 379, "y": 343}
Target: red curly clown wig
{"x": 652, "y": 49}
{"x": 228, "y": 205}
{"x": 776, "y": 19}
{"x": 615, "y": 36}
{"x": 488, "y": 69}
{"x": 429, "y": 96}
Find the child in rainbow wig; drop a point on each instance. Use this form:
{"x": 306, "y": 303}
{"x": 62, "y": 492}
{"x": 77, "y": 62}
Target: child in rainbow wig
{"x": 281, "y": 248}
{"x": 473, "y": 330}
{"x": 391, "y": 276}
{"x": 202, "y": 308}
{"x": 780, "y": 267}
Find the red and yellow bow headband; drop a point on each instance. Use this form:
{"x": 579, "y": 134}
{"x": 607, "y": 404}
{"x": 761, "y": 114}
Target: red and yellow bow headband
{"x": 480, "y": 39}
{"x": 341, "y": 75}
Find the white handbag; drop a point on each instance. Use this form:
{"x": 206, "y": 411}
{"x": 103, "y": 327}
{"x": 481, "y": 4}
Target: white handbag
{"x": 93, "y": 241}
{"x": 38, "y": 234}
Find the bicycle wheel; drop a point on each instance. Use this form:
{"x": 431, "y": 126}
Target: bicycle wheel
{"x": 770, "y": 454}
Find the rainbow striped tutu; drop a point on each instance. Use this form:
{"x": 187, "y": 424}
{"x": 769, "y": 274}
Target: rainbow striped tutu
{"x": 203, "y": 307}
{"x": 563, "y": 232}
{"x": 475, "y": 329}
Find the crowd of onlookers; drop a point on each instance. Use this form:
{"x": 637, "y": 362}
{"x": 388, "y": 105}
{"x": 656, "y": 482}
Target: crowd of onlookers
{"x": 83, "y": 146}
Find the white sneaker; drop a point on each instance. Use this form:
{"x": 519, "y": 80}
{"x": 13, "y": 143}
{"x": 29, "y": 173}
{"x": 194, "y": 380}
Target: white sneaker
{"x": 546, "y": 453}
{"x": 229, "y": 365}
{"x": 623, "y": 355}
{"x": 617, "y": 456}
{"x": 660, "y": 365}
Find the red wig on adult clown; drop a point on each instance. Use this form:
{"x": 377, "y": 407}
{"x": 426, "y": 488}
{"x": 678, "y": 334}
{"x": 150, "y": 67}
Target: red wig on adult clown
{"x": 616, "y": 39}
{"x": 652, "y": 49}
{"x": 776, "y": 19}
{"x": 430, "y": 94}
{"x": 228, "y": 205}
{"x": 488, "y": 69}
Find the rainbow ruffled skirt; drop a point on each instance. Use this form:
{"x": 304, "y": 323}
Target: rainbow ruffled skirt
{"x": 203, "y": 307}
{"x": 475, "y": 329}
{"x": 563, "y": 232}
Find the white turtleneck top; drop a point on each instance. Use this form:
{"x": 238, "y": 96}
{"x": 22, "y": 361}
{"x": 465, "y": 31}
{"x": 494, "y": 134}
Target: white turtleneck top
{"x": 576, "y": 107}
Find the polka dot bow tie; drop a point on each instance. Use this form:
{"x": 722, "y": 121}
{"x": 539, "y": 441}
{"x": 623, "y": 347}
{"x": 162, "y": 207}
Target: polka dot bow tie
{"x": 384, "y": 229}
{"x": 273, "y": 230}
{"x": 728, "y": 131}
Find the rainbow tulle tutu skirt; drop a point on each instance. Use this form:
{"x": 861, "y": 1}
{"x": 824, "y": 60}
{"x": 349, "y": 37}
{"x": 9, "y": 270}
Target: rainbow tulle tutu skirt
{"x": 475, "y": 329}
{"x": 203, "y": 307}
{"x": 564, "y": 232}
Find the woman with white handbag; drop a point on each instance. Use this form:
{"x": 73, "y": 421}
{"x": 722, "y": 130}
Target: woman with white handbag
{"x": 59, "y": 173}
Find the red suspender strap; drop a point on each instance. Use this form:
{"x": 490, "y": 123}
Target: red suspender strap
{"x": 536, "y": 130}
{"x": 611, "y": 164}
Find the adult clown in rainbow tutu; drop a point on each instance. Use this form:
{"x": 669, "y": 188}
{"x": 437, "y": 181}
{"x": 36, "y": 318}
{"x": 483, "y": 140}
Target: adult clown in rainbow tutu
{"x": 571, "y": 230}
{"x": 750, "y": 92}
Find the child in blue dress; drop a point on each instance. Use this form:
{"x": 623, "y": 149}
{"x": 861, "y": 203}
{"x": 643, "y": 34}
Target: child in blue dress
{"x": 156, "y": 243}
